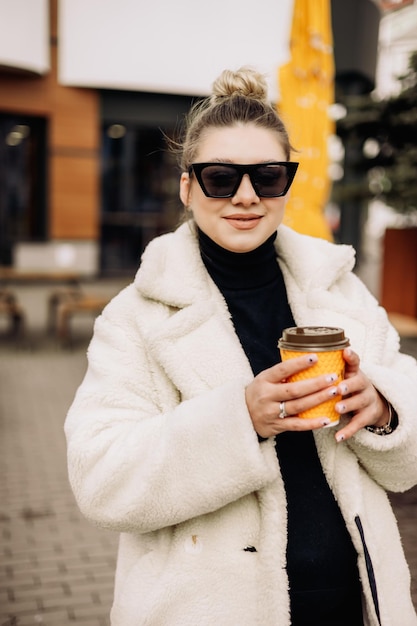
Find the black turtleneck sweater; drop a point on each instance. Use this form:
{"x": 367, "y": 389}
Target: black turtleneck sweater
{"x": 321, "y": 560}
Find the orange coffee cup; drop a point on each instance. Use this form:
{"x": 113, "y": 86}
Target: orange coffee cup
{"x": 328, "y": 343}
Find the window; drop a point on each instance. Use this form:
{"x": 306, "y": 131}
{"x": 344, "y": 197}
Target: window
{"x": 22, "y": 182}
{"x": 140, "y": 177}
{"x": 140, "y": 186}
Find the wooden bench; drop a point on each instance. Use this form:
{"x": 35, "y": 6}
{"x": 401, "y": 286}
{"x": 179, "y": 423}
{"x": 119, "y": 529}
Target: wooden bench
{"x": 55, "y": 300}
{"x": 71, "y": 305}
{"x": 12, "y": 310}
{"x": 405, "y": 325}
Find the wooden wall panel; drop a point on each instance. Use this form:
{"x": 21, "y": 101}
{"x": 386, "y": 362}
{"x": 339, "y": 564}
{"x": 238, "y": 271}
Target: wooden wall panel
{"x": 74, "y": 198}
{"x": 27, "y": 95}
{"x": 75, "y": 118}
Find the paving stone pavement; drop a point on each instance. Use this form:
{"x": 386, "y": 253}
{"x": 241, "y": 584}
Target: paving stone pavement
{"x": 55, "y": 567}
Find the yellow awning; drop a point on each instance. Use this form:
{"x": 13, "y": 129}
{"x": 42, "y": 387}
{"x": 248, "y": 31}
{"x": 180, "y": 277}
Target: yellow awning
{"x": 306, "y": 85}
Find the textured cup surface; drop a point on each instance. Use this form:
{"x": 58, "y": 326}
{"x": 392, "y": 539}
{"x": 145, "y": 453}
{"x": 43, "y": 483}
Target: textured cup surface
{"x": 328, "y": 363}
{"x": 328, "y": 343}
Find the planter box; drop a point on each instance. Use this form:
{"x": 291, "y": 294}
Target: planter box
{"x": 399, "y": 271}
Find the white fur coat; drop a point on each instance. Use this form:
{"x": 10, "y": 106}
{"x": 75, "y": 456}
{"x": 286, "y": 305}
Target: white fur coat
{"x": 161, "y": 447}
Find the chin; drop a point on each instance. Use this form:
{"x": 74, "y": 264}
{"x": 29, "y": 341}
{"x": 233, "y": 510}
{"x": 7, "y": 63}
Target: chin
{"x": 242, "y": 244}
{"x": 246, "y": 242}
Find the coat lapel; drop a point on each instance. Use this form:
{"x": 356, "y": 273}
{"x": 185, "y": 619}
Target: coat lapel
{"x": 313, "y": 270}
{"x": 199, "y": 350}
{"x": 195, "y": 343}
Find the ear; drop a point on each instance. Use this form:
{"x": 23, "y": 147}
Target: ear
{"x": 185, "y": 189}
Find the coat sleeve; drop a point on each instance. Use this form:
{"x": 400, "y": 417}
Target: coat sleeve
{"x": 390, "y": 460}
{"x": 140, "y": 459}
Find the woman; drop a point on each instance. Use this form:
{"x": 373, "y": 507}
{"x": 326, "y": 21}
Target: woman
{"x": 184, "y": 434}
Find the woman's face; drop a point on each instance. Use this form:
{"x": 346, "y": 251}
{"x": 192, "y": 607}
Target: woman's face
{"x": 243, "y": 222}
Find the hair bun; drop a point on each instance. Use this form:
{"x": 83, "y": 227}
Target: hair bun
{"x": 243, "y": 82}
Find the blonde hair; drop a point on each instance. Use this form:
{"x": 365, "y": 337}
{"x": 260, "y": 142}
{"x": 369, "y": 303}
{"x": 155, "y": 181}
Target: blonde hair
{"x": 237, "y": 97}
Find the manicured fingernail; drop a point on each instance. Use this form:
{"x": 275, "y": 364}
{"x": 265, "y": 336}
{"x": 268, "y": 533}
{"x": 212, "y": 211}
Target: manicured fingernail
{"x": 343, "y": 389}
{"x": 313, "y": 358}
{"x": 339, "y": 438}
{"x": 340, "y": 407}
{"x": 330, "y": 378}
{"x": 325, "y": 421}
{"x": 332, "y": 391}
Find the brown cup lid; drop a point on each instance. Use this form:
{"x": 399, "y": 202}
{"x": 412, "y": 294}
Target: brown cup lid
{"x": 313, "y": 338}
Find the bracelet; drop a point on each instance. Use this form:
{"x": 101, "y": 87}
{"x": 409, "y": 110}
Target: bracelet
{"x": 383, "y": 430}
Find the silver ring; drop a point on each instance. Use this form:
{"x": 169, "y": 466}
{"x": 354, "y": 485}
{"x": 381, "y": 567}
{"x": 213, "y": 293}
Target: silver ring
{"x": 282, "y": 412}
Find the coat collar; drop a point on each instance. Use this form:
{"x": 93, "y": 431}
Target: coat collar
{"x": 312, "y": 262}
{"x": 193, "y": 339}
{"x": 172, "y": 270}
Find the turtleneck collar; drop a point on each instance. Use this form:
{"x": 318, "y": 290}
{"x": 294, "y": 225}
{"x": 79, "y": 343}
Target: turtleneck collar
{"x": 239, "y": 270}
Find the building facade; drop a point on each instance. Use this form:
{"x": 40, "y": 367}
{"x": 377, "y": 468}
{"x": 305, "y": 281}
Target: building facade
{"x": 86, "y": 177}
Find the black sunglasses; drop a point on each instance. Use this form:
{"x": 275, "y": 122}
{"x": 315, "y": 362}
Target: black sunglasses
{"x": 222, "y": 180}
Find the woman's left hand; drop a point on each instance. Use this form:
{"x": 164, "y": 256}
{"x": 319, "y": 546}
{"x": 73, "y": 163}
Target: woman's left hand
{"x": 360, "y": 399}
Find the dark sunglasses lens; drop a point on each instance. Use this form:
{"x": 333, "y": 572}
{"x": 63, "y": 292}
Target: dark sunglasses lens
{"x": 270, "y": 180}
{"x": 219, "y": 180}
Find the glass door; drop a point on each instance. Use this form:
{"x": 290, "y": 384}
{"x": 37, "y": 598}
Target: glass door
{"x": 22, "y": 182}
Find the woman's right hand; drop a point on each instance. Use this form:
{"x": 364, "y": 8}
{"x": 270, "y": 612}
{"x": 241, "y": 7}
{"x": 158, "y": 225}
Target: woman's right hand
{"x": 269, "y": 389}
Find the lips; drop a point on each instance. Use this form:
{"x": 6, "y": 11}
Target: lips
{"x": 243, "y": 216}
{"x": 243, "y": 221}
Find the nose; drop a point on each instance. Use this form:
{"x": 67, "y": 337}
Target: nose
{"x": 246, "y": 194}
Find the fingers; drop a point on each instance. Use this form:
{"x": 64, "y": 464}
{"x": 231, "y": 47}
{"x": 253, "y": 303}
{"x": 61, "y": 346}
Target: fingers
{"x": 359, "y": 399}
{"x": 355, "y": 424}
{"x": 308, "y": 393}
{"x": 361, "y": 402}
{"x": 278, "y": 425}
{"x": 279, "y": 372}
{"x": 263, "y": 398}
{"x": 266, "y": 401}
{"x": 270, "y": 388}
{"x": 352, "y": 362}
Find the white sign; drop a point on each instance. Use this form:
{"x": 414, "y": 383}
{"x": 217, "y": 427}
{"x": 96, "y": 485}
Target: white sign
{"x": 24, "y": 35}
{"x": 170, "y": 46}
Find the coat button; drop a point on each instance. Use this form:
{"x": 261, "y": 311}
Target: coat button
{"x": 193, "y": 545}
